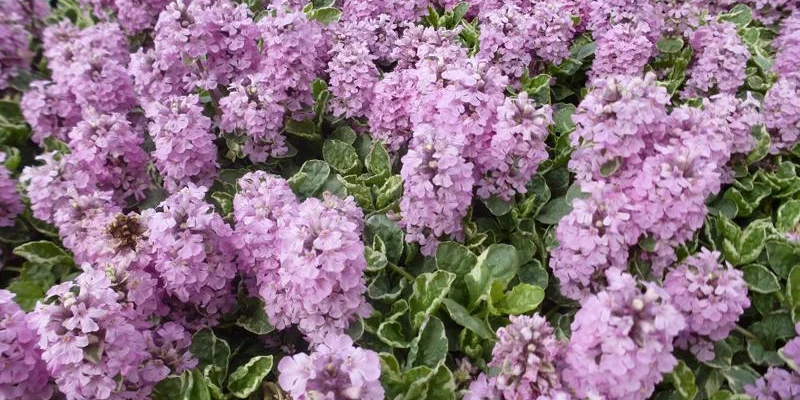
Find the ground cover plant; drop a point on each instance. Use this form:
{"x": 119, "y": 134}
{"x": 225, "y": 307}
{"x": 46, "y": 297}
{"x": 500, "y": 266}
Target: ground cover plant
{"x": 399, "y": 199}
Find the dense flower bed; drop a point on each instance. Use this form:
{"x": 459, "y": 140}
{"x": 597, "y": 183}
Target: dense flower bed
{"x": 399, "y": 199}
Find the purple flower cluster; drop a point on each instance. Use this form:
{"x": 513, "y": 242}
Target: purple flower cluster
{"x": 18, "y": 25}
{"x": 782, "y": 103}
{"x": 192, "y": 250}
{"x": 50, "y": 109}
{"x": 185, "y": 152}
{"x": 110, "y": 147}
{"x": 647, "y": 174}
{"x": 504, "y": 39}
{"x": 353, "y": 73}
{"x": 23, "y": 374}
{"x": 255, "y": 73}
{"x": 398, "y": 10}
{"x": 592, "y": 238}
{"x": 528, "y": 357}
{"x": 437, "y": 188}
{"x": 453, "y": 129}
{"x": 93, "y": 347}
{"x": 212, "y": 42}
{"x": 720, "y": 60}
{"x": 133, "y": 15}
{"x": 390, "y": 109}
{"x": 625, "y": 32}
{"x": 307, "y": 258}
{"x": 89, "y": 71}
{"x": 261, "y": 201}
{"x": 516, "y": 149}
{"x": 711, "y": 296}
{"x": 512, "y": 35}
{"x": 320, "y": 285}
{"x": 621, "y": 340}
{"x": 10, "y": 202}
{"x": 776, "y": 384}
{"x": 335, "y": 369}
{"x": 294, "y": 52}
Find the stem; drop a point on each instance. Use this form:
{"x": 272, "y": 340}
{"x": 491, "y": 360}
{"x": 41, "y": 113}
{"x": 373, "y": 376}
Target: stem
{"x": 780, "y": 297}
{"x": 745, "y": 332}
{"x": 402, "y": 272}
{"x": 15, "y": 269}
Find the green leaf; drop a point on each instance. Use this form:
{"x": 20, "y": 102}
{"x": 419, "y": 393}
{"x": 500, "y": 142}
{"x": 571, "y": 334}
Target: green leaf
{"x": 391, "y": 333}
{"x": 461, "y": 316}
{"x": 246, "y": 379}
{"x": 43, "y": 253}
{"x": 497, "y": 264}
{"x": 442, "y": 384}
{"x": 761, "y": 280}
{"x": 500, "y": 260}
{"x": 191, "y": 385}
{"x": 381, "y": 289}
{"x": 306, "y": 129}
{"x": 553, "y": 211}
{"x": 723, "y": 355}
{"x": 535, "y": 274}
{"x": 391, "y": 234}
{"x": 538, "y": 87}
{"x": 562, "y": 120}
{"x": 521, "y": 299}
{"x": 774, "y": 327}
{"x": 429, "y": 348}
{"x": 27, "y": 292}
{"x": 454, "y": 257}
{"x": 683, "y": 380}
{"x": 793, "y": 292}
{"x": 253, "y": 318}
{"x": 788, "y": 216}
{"x": 751, "y": 243}
{"x": 740, "y": 15}
{"x": 761, "y": 356}
{"x": 762, "y": 145}
{"x": 13, "y": 158}
{"x": 326, "y": 15}
{"x": 739, "y": 376}
{"x": 428, "y": 291}
{"x": 391, "y": 190}
{"x": 782, "y": 257}
{"x": 309, "y": 180}
{"x": 345, "y": 134}
{"x": 318, "y": 86}
{"x": 341, "y": 156}
{"x": 670, "y": 45}
{"x": 11, "y": 110}
{"x": 359, "y": 191}
{"x": 610, "y": 167}
{"x": 497, "y": 206}
{"x": 457, "y": 14}
{"x": 223, "y": 202}
{"x": 648, "y": 244}
{"x": 376, "y": 261}
{"x": 525, "y": 243}
{"x": 211, "y": 351}
{"x": 378, "y": 161}
{"x": 726, "y": 395}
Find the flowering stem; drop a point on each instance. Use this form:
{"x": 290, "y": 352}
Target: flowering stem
{"x": 745, "y": 332}
{"x": 401, "y": 271}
